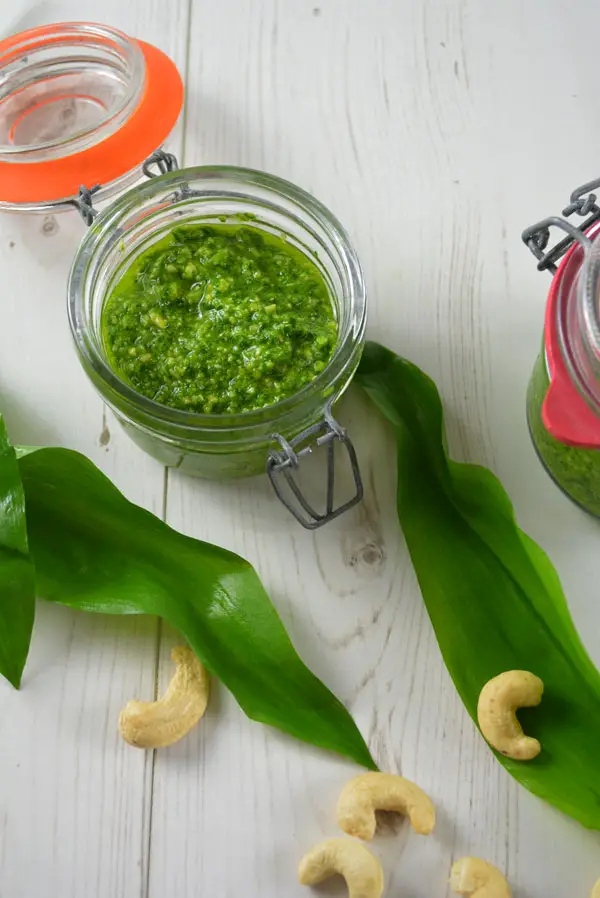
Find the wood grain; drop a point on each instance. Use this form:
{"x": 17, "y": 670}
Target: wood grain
{"x": 436, "y": 130}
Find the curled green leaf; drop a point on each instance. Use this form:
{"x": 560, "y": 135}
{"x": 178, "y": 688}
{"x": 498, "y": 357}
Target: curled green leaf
{"x": 94, "y": 550}
{"x": 493, "y": 596}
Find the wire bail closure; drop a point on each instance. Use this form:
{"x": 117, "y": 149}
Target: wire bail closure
{"x": 164, "y": 162}
{"x": 285, "y": 461}
{"x": 84, "y": 205}
{"x": 537, "y": 236}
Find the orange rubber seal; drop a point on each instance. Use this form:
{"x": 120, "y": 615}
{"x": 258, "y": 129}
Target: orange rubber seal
{"x": 143, "y": 133}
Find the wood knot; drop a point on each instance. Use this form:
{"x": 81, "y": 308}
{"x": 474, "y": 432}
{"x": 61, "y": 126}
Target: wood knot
{"x": 49, "y": 226}
{"x": 104, "y": 438}
{"x": 370, "y": 556}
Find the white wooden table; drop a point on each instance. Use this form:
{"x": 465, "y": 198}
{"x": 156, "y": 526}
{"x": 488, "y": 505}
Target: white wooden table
{"x": 436, "y": 130}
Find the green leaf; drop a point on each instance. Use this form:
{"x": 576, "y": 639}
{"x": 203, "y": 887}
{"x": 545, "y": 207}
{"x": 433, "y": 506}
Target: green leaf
{"x": 493, "y": 597}
{"x": 94, "y": 550}
{"x": 17, "y": 586}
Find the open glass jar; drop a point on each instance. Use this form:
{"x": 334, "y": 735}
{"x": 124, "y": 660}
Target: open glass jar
{"x": 224, "y": 446}
{"x": 80, "y": 103}
{"x": 563, "y": 399}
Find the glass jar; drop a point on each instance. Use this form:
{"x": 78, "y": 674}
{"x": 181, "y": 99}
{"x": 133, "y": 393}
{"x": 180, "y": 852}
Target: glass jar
{"x": 563, "y": 398}
{"x": 218, "y": 446}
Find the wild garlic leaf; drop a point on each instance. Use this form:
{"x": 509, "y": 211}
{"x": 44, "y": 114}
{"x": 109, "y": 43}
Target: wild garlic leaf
{"x": 94, "y": 550}
{"x": 493, "y": 596}
{"x": 17, "y": 584}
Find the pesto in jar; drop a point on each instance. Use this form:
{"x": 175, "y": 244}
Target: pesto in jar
{"x": 219, "y": 318}
{"x": 575, "y": 470}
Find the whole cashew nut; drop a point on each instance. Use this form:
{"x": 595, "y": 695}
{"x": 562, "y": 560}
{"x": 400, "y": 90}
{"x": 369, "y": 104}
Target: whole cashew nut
{"x": 361, "y": 869}
{"x": 596, "y": 890}
{"x": 161, "y": 723}
{"x": 470, "y": 876}
{"x": 498, "y": 701}
{"x": 371, "y": 792}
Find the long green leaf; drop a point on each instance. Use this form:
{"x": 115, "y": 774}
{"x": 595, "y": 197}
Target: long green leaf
{"x": 17, "y": 586}
{"x": 94, "y": 550}
{"x": 493, "y": 597}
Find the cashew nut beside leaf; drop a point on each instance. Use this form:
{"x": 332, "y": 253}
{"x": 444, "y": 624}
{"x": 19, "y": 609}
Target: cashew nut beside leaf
{"x": 371, "y": 792}
{"x": 498, "y": 701}
{"x": 361, "y": 869}
{"x": 161, "y": 723}
{"x": 476, "y": 878}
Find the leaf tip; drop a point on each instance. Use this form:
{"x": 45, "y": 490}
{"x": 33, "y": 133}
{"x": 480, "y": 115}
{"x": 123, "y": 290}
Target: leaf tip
{"x": 14, "y": 678}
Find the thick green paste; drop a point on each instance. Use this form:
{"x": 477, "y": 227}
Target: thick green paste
{"x": 218, "y": 319}
{"x": 576, "y": 471}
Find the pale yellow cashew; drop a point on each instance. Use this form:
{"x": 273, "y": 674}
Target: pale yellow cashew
{"x": 476, "y": 878}
{"x": 371, "y": 792}
{"x": 161, "y": 723}
{"x": 361, "y": 869}
{"x": 498, "y": 701}
{"x": 596, "y": 890}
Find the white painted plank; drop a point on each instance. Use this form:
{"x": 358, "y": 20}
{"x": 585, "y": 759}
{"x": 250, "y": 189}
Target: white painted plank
{"x": 436, "y": 131}
{"x": 74, "y": 799}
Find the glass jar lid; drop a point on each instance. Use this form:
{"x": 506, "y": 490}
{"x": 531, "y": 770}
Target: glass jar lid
{"x": 80, "y": 104}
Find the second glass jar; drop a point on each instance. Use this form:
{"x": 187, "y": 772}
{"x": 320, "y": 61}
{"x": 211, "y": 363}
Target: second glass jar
{"x": 563, "y": 399}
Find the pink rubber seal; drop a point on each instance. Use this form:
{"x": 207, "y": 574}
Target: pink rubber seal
{"x": 565, "y": 413}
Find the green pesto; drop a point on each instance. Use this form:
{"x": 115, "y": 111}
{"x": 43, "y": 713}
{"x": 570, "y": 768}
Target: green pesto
{"x": 576, "y": 471}
{"x": 218, "y": 319}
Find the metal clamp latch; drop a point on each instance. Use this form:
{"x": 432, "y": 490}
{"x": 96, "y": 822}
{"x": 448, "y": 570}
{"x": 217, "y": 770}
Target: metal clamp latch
{"x": 164, "y": 162}
{"x": 536, "y": 237}
{"x": 83, "y": 203}
{"x": 285, "y": 461}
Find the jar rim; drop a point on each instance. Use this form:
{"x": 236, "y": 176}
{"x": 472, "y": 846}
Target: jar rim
{"x": 344, "y": 356}
{"x": 115, "y": 44}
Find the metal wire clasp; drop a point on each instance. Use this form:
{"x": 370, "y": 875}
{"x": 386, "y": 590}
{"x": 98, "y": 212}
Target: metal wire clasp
{"x": 537, "y": 237}
{"x": 283, "y": 462}
{"x": 164, "y": 162}
{"x": 84, "y": 205}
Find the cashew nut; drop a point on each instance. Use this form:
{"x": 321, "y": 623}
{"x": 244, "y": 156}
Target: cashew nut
{"x": 470, "y": 876}
{"x": 361, "y": 869}
{"x": 596, "y": 890}
{"x": 371, "y": 792}
{"x": 161, "y": 723}
{"x": 498, "y": 701}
